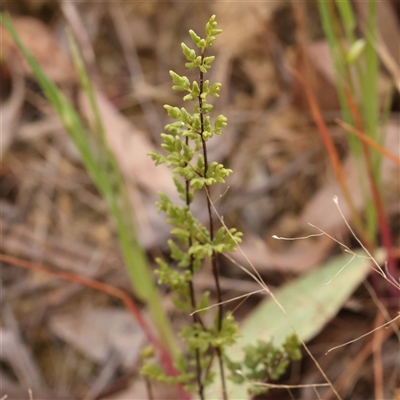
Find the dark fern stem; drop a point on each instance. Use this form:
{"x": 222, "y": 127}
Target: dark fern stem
{"x": 195, "y": 317}
{"x": 214, "y": 263}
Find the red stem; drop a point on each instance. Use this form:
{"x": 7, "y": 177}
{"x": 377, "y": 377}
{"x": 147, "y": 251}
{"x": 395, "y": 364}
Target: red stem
{"x": 383, "y": 223}
{"x": 333, "y": 155}
{"x": 369, "y": 141}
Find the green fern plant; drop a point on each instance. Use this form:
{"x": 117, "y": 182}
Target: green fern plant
{"x": 186, "y": 148}
{"x": 185, "y": 145}
{"x": 264, "y": 362}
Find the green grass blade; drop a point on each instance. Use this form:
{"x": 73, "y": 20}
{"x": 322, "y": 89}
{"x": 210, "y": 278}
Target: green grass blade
{"x": 370, "y": 84}
{"x": 347, "y": 16}
{"x": 107, "y": 177}
{"x": 337, "y": 56}
{"x": 369, "y": 91}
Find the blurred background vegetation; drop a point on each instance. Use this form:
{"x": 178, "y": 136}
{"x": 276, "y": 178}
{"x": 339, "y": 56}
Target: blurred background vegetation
{"x": 63, "y": 340}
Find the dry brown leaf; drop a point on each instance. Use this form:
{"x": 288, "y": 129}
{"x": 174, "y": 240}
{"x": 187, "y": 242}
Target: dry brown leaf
{"x": 130, "y": 147}
{"x": 321, "y": 211}
{"x": 305, "y": 255}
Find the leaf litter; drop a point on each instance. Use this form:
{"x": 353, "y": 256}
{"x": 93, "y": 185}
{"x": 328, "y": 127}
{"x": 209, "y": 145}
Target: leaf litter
{"x": 269, "y": 129}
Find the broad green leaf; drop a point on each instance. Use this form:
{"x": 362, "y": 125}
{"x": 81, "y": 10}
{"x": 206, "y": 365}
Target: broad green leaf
{"x": 309, "y": 302}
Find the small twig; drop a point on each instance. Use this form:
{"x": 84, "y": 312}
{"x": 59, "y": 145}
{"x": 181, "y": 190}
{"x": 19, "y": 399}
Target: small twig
{"x": 316, "y": 393}
{"x": 279, "y": 386}
{"x": 348, "y": 376}
{"x": 362, "y": 336}
{"x": 247, "y": 295}
{"x": 379, "y": 269}
{"x": 299, "y": 237}
{"x": 381, "y": 306}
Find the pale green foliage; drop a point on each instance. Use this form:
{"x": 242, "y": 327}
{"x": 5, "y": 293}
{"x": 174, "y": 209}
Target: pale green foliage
{"x": 153, "y": 371}
{"x": 264, "y": 362}
{"x": 184, "y": 145}
{"x": 202, "y": 339}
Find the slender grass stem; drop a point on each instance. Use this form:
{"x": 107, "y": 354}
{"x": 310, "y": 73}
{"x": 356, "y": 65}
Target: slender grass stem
{"x": 103, "y": 168}
{"x": 383, "y": 223}
{"x": 333, "y": 156}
